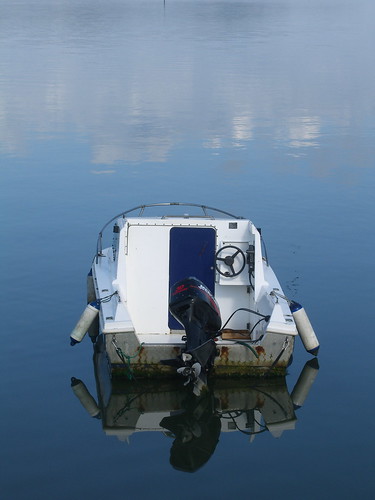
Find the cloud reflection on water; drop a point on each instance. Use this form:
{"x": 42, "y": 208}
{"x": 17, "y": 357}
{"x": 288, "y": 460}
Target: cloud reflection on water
{"x": 137, "y": 85}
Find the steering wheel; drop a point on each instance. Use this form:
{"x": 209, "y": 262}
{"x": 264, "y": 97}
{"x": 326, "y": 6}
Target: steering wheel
{"x": 229, "y": 261}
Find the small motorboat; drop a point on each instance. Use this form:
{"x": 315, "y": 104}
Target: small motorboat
{"x": 189, "y": 291}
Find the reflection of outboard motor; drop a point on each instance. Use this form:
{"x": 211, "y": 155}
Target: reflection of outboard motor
{"x": 193, "y": 305}
{"x": 196, "y": 431}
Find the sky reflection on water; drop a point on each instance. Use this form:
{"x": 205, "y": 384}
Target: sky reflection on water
{"x": 137, "y": 86}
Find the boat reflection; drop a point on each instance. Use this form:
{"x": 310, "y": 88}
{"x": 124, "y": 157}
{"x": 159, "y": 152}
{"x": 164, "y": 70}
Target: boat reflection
{"x": 248, "y": 406}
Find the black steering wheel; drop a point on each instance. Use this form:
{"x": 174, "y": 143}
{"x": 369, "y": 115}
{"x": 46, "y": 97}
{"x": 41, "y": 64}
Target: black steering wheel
{"x": 229, "y": 261}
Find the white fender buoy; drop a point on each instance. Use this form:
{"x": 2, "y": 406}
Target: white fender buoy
{"x": 84, "y": 322}
{"x": 93, "y": 330}
{"x": 304, "y": 383}
{"x": 90, "y": 288}
{"x": 85, "y": 398}
{"x": 305, "y": 329}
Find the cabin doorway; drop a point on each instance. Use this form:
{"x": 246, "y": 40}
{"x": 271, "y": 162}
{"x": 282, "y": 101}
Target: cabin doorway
{"x": 191, "y": 253}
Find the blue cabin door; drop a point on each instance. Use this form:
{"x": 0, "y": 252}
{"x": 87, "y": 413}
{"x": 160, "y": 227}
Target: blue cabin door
{"x": 191, "y": 253}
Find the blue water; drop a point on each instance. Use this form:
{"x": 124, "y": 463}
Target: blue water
{"x": 264, "y": 109}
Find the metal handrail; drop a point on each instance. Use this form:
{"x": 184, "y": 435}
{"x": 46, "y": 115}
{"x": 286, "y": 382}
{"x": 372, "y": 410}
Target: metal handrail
{"x": 142, "y": 208}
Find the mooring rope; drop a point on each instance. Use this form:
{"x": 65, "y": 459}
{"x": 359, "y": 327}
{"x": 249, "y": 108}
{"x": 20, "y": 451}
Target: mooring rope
{"x": 125, "y": 358}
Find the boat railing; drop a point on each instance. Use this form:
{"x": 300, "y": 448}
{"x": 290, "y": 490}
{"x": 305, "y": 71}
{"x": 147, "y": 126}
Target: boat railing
{"x": 264, "y": 250}
{"x": 141, "y": 209}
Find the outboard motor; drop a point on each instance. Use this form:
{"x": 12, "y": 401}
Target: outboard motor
{"x": 193, "y": 305}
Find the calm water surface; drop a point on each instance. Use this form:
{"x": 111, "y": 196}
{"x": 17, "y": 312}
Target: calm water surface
{"x": 262, "y": 108}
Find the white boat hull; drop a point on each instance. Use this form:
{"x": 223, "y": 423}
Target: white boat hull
{"x": 133, "y": 277}
{"x": 232, "y": 358}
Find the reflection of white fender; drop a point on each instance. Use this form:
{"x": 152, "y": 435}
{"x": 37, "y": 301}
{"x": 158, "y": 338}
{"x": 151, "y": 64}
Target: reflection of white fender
{"x": 304, "y": 383}
{"x": 91, "y": 297}
{"x": 85, "y": 398}
{"x": 84, "y": 322}
{"x": 304, "y": 328}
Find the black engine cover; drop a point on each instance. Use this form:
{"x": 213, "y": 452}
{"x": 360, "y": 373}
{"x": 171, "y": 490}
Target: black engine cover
{"x": 193, "y": 305}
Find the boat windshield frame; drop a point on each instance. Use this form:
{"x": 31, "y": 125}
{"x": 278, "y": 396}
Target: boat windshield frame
{"x": 142, "y": 208}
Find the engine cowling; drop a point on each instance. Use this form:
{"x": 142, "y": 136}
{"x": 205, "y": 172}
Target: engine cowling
{"x": 194, "y": 306}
